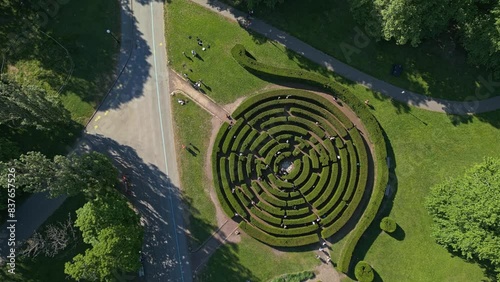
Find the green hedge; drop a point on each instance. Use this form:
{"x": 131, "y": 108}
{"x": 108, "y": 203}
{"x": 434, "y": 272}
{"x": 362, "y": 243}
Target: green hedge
{"x": 388, "y": 224}
{"x": 371, "y": 124}
{"x": 314, "y": 159}
{"x": 262, "y": 137}
{"x": 364, "y": 272}
{"x": 228, "y": 140}
{"x": 275, "y": 241}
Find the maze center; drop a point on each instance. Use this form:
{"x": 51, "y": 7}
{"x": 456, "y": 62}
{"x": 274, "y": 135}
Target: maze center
{"x": 292, "y": 168}
{"x": 286, "y": 165}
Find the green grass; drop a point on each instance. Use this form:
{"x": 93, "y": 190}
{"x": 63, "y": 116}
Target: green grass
{"x": 254, "y": 261}
{"x": 429, "y": 69}
{"x": 218, "y": 70}
{"x": 46, "y": 268}
{"x": 193, "y": 127}
{"x": 428, "y": 148}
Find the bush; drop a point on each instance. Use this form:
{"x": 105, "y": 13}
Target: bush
{"x": 295, "y": 277}
{"x": 388, "y": 224}
{"x": 364, "y": 272}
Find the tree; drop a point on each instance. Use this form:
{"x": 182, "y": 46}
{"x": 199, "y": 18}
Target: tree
{"x": 404, "y": 21}
{"x": 466, "y": 214}
{"x": 30, "y": 106}
{"x": 480, "y": 32}
{"x": 269, "y": 3}
{"x": 113, "y": 230}
{"x": 89, "y": 173}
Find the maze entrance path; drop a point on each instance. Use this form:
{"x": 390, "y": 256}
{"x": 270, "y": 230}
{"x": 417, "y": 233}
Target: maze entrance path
{"x": 293, "y": 168}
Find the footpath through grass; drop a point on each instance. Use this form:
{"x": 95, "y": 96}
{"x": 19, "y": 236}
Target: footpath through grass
{"x": 225, "y": 78}
{"x": 428, "y": 148}
{"x": 437, "y": 68}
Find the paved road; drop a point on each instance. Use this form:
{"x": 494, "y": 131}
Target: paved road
{"x": 134, "y": 126}
{"x": 332, "y": 64}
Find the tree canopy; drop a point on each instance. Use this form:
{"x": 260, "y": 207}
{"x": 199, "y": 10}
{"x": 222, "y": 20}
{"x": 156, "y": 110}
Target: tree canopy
{"x": 466, "y": 213}
{"x": 89, "y": 173}
{"x": 29, "y": 106}
{"x": 476, "y": 22}
{"x": 112, "y": 228}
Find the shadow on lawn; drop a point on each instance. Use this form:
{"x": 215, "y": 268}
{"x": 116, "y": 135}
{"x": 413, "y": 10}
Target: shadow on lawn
{"x": 373, "y": 230}
{"x": 225, "y": 266}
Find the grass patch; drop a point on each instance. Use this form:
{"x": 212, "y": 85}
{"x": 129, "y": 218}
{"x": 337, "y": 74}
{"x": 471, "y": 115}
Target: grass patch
{"x": 254, "y": 261}
{"x": 437, "y": 68}
{"x": 225, "y": 78}
{"x": 44, "y": 268}
{"x": 192, "y": 129}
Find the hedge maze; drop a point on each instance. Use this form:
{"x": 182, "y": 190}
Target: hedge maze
{"x": 291, "y": 166}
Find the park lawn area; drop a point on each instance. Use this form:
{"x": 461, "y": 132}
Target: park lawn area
{"x": 72, "y": 57}
{"x": 44, "y": 268}
{"x": 428, "y": 148}
{"x": 192, "y": 128}
{"x": 225, "y": 78}
{"x": 250, "y": 260}
{"x": 435, "y": 68}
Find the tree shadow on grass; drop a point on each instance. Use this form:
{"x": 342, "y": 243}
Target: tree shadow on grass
{"x": 161, "y": 204}
{"x": 225, "y": 265}
{"x": 399, "y": 234}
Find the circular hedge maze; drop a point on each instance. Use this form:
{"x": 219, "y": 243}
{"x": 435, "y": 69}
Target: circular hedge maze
{"x": 292, "y": 167}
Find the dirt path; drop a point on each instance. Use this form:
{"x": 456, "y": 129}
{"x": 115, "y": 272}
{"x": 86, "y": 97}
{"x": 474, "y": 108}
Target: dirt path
{"x": 180, "y": 85}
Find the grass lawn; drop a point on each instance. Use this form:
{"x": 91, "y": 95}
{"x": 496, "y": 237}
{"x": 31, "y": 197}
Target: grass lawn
{"x": 218, "y": 70}
{"x": 424, "y": 156}
{"x": 254, "y": 261}
{"x": 46, "y": 268}
{"x": 428, "y": 147}
{"x": 74, "y": 44}
{"x": 192, "y": 128}
{"x": 436, "y": 68}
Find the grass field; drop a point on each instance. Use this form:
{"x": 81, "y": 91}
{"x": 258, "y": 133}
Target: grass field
{"x": 254, "y": 261}
{"x": 225, "y": 79}
{"x": 428, "y": 147}
{"x": 437, "y": 68}
{"x": 46, "y": 268}
{"x": 192, "y": 129}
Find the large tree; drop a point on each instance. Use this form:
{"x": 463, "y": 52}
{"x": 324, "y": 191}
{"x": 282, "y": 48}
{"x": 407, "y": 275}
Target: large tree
{"x": 405, "y": 21}
{"x": 466, "y": 213}
{"x": 89, "y": 173}
{"x": 30, "y": 107}
{"x": 479, "y": 23}
{"x": 112, "y": 228}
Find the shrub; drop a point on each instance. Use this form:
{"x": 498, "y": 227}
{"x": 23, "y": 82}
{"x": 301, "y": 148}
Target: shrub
{"x": 364, "y": 272}
{"x": 388, "y": 224}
